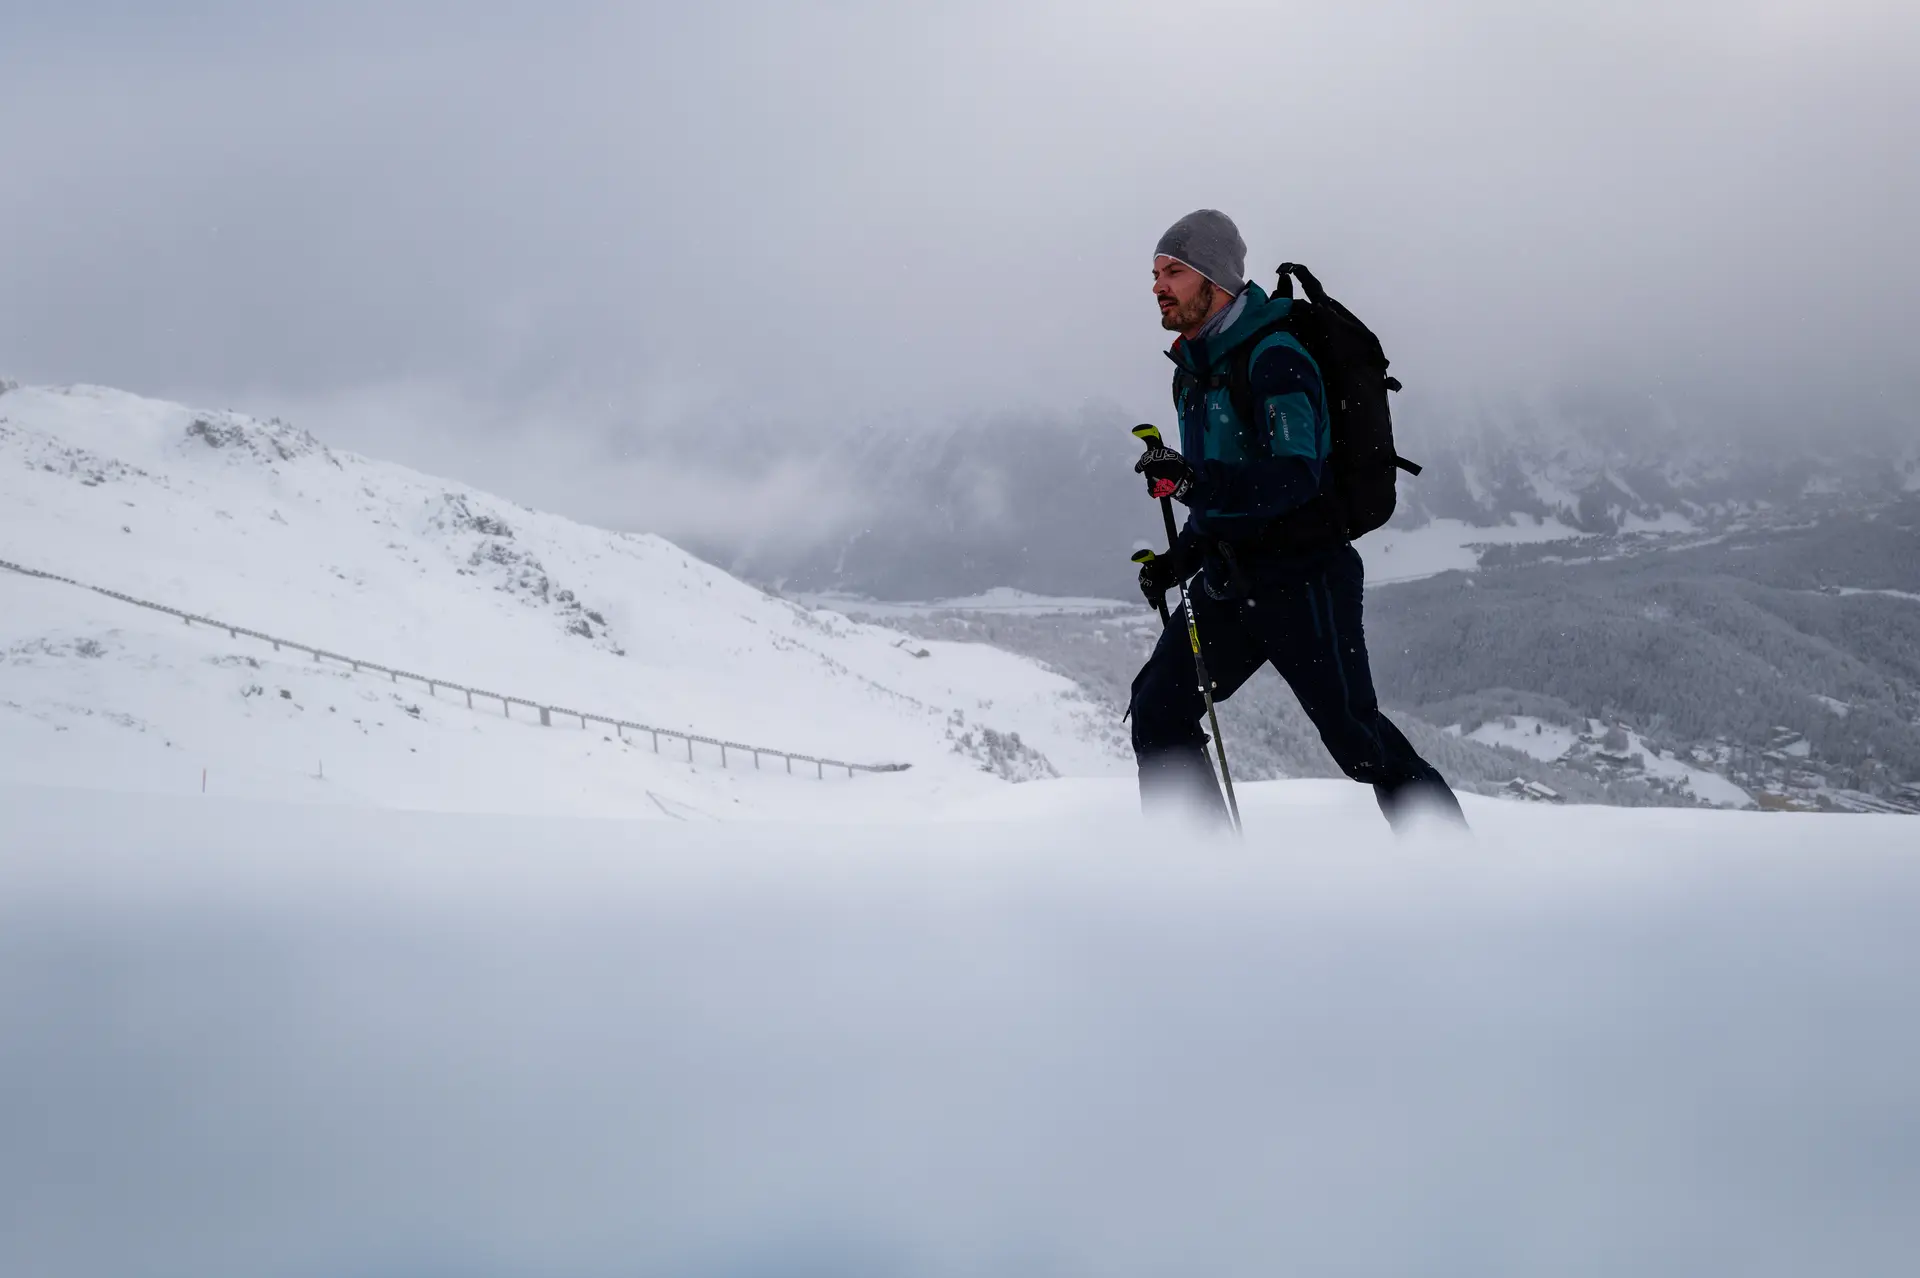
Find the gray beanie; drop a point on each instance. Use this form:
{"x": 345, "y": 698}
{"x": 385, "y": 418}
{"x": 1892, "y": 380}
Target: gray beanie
{"x": 1209, "y": 242}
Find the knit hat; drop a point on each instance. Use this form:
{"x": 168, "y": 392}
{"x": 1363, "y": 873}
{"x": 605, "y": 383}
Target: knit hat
{"x": 1209, "y": 242}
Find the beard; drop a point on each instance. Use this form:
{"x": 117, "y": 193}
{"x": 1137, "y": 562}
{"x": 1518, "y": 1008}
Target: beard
{"x": 1193, "y": 314}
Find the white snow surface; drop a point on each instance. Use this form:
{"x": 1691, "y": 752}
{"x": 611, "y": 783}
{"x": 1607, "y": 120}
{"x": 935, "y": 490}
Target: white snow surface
{"x": 1528, "y": 735}
{"x": 1670, "y": 521}
{"x": 1001, "y": 600}
{"x": 1891, "y": 594}
{"x": 247, "y": 1039}
{"x": 1549, "y": 742}
{"x": 259, "y": 524}
{"x": 1707, "y": 786}
{"x": 1446, "y": 545}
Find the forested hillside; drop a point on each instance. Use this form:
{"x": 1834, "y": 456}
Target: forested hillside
{"x": 1783, "y": 659}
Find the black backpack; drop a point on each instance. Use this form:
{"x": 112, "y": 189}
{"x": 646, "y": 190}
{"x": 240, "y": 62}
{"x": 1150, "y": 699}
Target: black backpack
{"x": 1354, "y": 370}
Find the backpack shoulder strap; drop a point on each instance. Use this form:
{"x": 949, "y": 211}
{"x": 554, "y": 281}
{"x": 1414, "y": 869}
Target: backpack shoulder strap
{"x": 1183, "y": 381}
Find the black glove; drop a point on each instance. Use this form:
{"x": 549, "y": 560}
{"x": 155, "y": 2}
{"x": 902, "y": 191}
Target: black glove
{"x": 1161, "y": 574}
{"x": 1167, "y": 472}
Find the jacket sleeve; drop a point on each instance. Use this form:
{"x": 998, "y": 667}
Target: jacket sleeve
{"x": 1291, "y": 402}
{"x": 1187, "y": 550}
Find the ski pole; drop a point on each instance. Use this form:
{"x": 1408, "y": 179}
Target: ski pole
{"x": 1149, "y": 436}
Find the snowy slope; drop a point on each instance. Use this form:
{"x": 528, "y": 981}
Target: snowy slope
{"x": 1528, "y": 735}
{"x": 1446, "y": 545}
{"x": 1551, "y": 742}
{"x": 260, "y": 524}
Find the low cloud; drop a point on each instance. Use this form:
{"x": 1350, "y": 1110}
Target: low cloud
{"x": 673, "y": 472}
{"x": 867, "y": 216}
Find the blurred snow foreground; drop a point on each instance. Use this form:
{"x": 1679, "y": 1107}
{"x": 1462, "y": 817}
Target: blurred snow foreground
{"x": 247, "y": 1038}
{"x": 415, "y": 989}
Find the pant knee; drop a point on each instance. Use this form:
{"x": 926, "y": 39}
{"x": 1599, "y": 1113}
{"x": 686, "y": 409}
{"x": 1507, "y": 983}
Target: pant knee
{"x": 1161, "y": 717}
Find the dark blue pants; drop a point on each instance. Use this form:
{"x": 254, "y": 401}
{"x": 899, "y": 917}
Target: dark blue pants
{"x": 1303, "y": 614}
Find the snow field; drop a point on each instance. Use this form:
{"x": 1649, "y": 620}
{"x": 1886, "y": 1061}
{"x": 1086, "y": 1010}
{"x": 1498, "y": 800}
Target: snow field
{"x": 1551, "y": 742}
{"x": 1530, "y": 736}
{"x": 1445, "y": 545}
{"x": 1706, "y": 784}
{"x": 1001, "y": 601}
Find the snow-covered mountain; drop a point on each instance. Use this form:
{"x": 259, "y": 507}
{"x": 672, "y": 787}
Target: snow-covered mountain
{"x": 1647, "y": 480}
{"x": 258, "y": 524}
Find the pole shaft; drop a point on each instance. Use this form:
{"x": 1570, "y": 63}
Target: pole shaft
{"x": 1200, "y": 669}
{"x": 1166, "y": 517}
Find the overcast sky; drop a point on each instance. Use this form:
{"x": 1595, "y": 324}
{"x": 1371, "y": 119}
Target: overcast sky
{"x": 435, "y": 225}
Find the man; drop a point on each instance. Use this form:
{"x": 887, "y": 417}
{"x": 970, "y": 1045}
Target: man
{"x": 1276, "y": 579}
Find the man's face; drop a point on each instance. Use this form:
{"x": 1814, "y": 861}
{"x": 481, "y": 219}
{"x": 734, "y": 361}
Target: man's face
{"x": 1184, "y": 294}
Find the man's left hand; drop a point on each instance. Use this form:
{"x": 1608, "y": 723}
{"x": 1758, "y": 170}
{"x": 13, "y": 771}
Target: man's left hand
{"x": 1167, "y": 472}
{"x": 1160, "y": 574}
